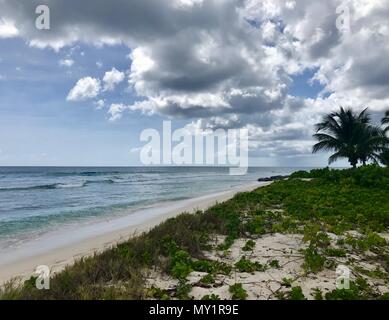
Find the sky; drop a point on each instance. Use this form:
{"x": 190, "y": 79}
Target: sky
{"x": 81, "y": 92}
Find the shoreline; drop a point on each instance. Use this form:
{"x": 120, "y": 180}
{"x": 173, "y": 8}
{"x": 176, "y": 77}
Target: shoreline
{"x": 63, "y": 248}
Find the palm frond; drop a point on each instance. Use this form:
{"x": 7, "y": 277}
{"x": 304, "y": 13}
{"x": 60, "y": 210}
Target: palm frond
{"x": 385, "y": 119}
{"x": 335, "y": 157}
{"x": 351, "y": 135}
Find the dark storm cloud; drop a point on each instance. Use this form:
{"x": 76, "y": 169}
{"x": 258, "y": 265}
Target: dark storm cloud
{"x": 229, "y": 63}
{"x": 199, "y": 48}
{"x": 141, "y": 20}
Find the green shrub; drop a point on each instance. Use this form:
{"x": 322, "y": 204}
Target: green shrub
{"x": 245, "y": 265}
{"x": 211, "y": 266}
{"x": 228, "y": 242}
{"x": 274, "y": 264}
{"x": 207, "y": 279}
{"x": 286, "y": 282}
{"x": 368, "y": 242}
{"x": 297, "y": 294}
{"x": 213, "y": 297}
{"x": 158, "y": 294}
{"x": 385, "y": 296}
{"x": 238, "y": 292}
{"x": 256, "y": 225}
{"x": 318, "y": 294}
{"x": 182, "y": 291}
{"x": 334, "y": 252}
{"x": 359, "y": 290}
{"x": 181, "y": 264}
{"x": 314, "y": 262}
{"x": 249, "y": 246}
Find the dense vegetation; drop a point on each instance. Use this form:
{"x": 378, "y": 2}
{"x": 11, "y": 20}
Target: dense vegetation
{"x": 333, "y": 201}
{"x": 371, "y": 176}
{"x": 353, "y": 136}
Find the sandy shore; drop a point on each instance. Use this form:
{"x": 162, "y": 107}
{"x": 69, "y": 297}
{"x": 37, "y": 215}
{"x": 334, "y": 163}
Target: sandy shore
{"x": 60, "y": 249}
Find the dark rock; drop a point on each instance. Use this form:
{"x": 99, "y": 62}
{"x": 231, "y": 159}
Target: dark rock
{"x": 273, "y": 178}
{"x": 264, "y": 179}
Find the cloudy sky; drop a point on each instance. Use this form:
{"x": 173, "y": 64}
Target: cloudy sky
{"x": 81, "y": 92}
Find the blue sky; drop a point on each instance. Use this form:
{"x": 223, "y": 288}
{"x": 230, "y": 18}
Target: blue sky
{"x": 82, "y": 92}
{"x": 38, "y": 126}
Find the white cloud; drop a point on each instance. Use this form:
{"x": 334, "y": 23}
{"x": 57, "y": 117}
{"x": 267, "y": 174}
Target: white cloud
{"x": 231, "y": 63}
{"x": 8, "y": 29}
{"x": 66, "y": 62}
{"x": 112, "y": 79}
{"x": 186, "y": 3}
{"x": 100, "y": 104}
{"x": 116, "y": 111}
{"x": 85, "y": 88}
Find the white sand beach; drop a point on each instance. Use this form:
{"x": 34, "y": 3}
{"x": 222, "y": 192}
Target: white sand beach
{"x": 60, "y": 249}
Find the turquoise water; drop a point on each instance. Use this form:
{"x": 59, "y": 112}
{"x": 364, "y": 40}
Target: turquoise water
{"x": 38, "y": 199}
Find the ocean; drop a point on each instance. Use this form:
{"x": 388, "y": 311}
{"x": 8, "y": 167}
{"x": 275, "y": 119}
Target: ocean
{"x": 36, "y": 200}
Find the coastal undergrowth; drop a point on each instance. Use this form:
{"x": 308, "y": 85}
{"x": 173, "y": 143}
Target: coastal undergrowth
{"x": 313, "y": 204}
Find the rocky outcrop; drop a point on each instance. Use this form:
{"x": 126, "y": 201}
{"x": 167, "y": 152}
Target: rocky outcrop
{"x": 273, "y": 178}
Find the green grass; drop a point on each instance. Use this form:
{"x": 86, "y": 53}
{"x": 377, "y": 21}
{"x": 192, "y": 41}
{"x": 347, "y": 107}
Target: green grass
{"x": 334, "y": 201}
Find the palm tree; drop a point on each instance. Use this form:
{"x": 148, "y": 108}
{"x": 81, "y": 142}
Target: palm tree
{"x": 343, "y": 132}
{"x": 384, "y": 157}
{"x": 371, "y": 144}
{"x": 385, "y": 120}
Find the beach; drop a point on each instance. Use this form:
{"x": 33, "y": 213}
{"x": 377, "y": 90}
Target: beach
{"x": 63, "y": 248}
{"x": 290, "y": 239}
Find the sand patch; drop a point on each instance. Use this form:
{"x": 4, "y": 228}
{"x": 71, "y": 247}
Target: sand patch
{"x": 283, "y": 256}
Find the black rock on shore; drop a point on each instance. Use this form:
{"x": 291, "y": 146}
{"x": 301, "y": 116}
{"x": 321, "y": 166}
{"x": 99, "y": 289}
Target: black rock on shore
{"x": 273, "y": 178}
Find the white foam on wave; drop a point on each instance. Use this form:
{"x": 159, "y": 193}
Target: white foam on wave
{"x": 70, "y": 235}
